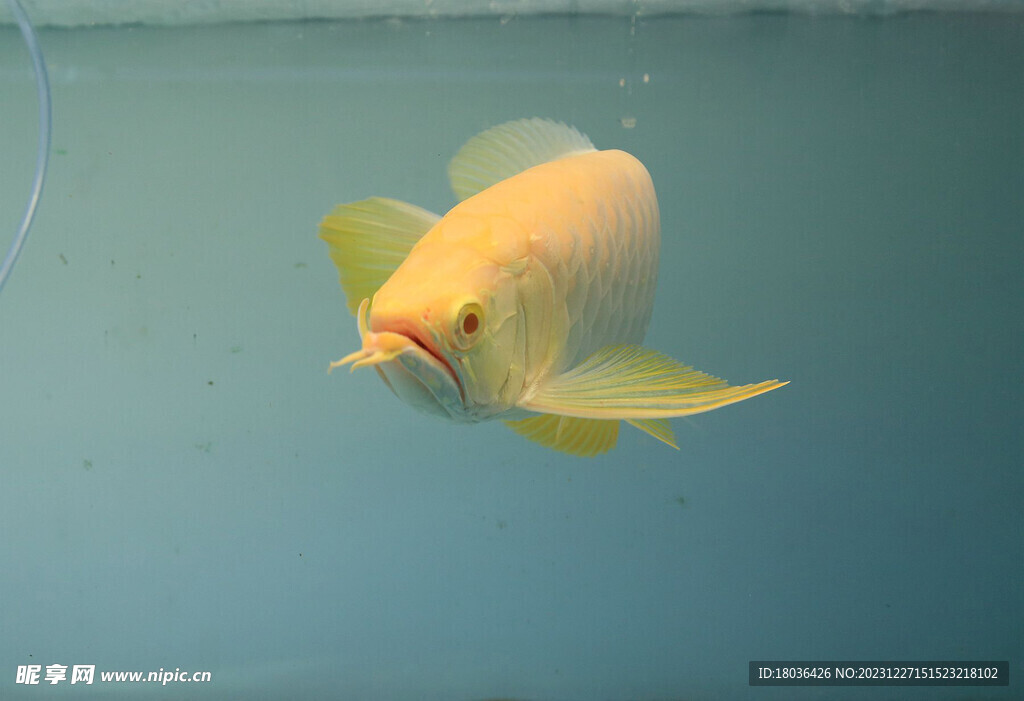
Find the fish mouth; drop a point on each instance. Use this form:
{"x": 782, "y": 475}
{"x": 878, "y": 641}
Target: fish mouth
{"x": 403, "y": 342}
{"x": 427, "y": 345}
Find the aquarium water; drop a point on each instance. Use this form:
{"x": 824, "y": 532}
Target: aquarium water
{"x": 184, "y": 489}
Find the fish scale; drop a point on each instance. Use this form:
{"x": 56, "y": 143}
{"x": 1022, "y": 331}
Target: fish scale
{"x": 609, "y": 256}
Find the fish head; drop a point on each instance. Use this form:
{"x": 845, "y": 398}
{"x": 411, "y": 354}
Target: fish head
{"x": 443, "y": 334}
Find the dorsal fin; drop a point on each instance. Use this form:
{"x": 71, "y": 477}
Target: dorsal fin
{"x": 369, "y": 239}
{"x": 510, "y": 148}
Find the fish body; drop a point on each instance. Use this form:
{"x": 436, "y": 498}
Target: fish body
{"x": 528, "y": 300}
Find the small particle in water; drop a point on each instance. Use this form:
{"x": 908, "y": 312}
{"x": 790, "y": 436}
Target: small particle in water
{"x": 61, "y": 151}
{"x": 204, "y": 447}
{"x": 62, "y": 258}
{"x": 236, "y": 349}
{"x": 111, "y": 261}
{"x": 681, "y": 501}
{"x": 300, "y": 264}
{"x": 647, "y": 77}
{"x": 628, "y": 122}
{"x": 210, "y": 382}
{"x": 501, "y": 525}
{"x": 86, "y": 464}
{"x": 622, "y": 82}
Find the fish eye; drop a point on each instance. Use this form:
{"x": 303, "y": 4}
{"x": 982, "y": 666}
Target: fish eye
{"x": 469, "y": 326}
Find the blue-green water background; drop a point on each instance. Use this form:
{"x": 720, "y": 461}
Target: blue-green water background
{"x": 183, "y": 485}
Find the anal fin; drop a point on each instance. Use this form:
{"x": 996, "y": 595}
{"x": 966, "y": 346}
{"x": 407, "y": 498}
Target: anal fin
{"x": 581, "y": 437}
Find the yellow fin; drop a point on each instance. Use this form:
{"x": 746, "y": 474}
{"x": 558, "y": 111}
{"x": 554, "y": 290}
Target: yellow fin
{"x": 369, "y": 239}
{"x": 510, "y": 148}
{"x": 658, "y": 428}
{"x": 583, "y": 437}
{"x": 632, "y": 382}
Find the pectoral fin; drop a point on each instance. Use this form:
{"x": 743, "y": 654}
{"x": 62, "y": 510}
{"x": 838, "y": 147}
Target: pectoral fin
{"x": 369, "y": 239}
{"x": 632, "y": 382}
{"x": 582, "y": 437}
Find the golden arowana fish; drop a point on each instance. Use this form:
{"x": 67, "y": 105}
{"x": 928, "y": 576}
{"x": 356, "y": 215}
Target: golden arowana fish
{"x": 528, "y": 300}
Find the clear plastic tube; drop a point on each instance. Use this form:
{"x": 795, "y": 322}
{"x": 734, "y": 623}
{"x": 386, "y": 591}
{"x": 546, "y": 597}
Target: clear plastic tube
{"x": 43, "y": 154}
